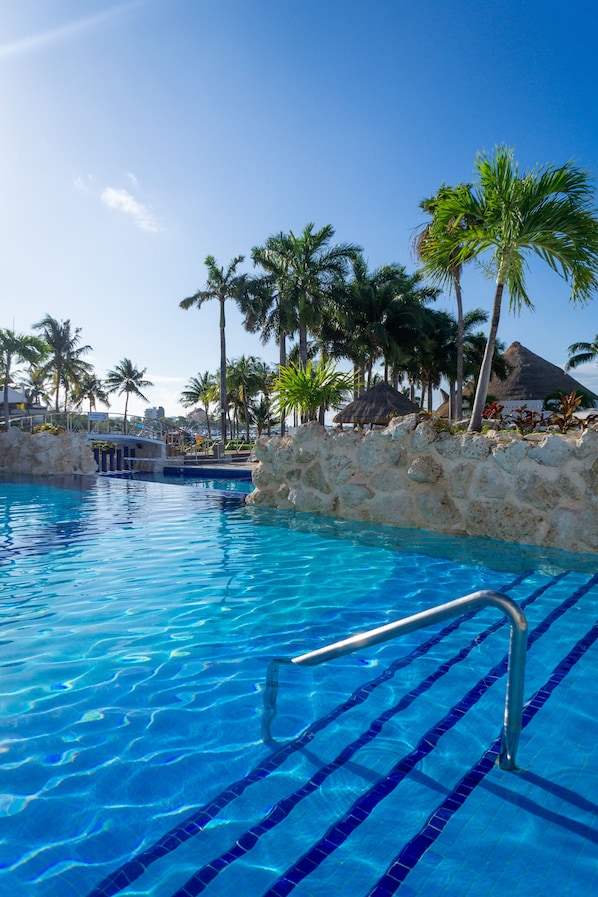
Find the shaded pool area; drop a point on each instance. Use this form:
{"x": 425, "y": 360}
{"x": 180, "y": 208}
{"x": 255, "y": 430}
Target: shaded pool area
{"x": 138, "y": 620}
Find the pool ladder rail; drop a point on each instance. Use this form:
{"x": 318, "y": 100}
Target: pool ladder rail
{"x": 472, "y": 603}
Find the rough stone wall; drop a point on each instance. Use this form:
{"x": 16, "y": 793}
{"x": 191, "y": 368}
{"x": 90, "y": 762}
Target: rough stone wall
{"x": 42, "y": 454}
{"x": 540, "y": 489}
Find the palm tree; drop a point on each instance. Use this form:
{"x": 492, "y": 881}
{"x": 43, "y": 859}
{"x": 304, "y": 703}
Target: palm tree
{"x": 35, "y": 386}
{"x": 127, "y": 379}
{"x": 379, "y": 314}
{"x": 221, "y": 285}
{"x": 65, "y": 362}
{"x": 89, "y": 389}
{"x": 17, "y": 347}
{"x": 446, "y": 271}
{"x": 582, "y": 353}
{"x": 471, "y": 319}
{"x": 244, "y": 379}
{"x": 310, "y": 271}
{"x": 431, "y": 358}
{"x": 549, "y": 211}
{"x": 263, "y": 416}
{"x": 201, "y": 390}
{"x": 269, "y": 307}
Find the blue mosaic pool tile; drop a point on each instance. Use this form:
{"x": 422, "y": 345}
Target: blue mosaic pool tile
{"x": 412, "y": 853}
{"x": 280, "y": 812}
{"x": 425, "y": 839}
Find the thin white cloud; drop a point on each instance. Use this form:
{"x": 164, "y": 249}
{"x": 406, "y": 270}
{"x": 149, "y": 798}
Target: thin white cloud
{"x": 83, "y": 184}
{"x": 64, "y": 32}
{"x": 125, "y": 202}
{"x": 132, "y": 178}
{"x": 158, "y": 378}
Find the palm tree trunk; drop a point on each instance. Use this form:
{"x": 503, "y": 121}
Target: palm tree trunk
{"x": 303, "y": 347}
{"x": 246, "y": 407}
{"x": 6, "y": 404}
{"x": 223, "y": 402}
{"x": 475, "y": 424}
{"x": 58, "y": 380}
{"x": 207, "y": 410}
{"x": 282, "y": 363}
{"x": 125, "y": 416}
{"x": 303, "y": 361}
{"x": 459, "y": 396}
{"x": 452, "y": 402}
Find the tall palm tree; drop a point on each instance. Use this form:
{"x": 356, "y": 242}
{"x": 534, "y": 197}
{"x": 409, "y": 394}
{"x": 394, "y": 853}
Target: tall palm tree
{"x": 446, "y": 271}
{"x": 201, "y": 390}
{"x": 549, "y": 211}
{"x": 582, "y": 353}
{"x": 64, "y": 362}
{"x": 312, "y": 271}
{"x": 126, "y": 379}
{"x": 222, "y": 284}
{"x": 269, "y": 306}
{"x": 17, "y": 347}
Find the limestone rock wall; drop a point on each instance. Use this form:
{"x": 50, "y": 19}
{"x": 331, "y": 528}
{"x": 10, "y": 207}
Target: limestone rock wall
{"x": 42, "y": 454}
{"x": 540, "y": 489}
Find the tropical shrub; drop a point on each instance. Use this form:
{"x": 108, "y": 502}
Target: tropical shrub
{"x": 49, "y": 428}
{"x": 307, "y": 391}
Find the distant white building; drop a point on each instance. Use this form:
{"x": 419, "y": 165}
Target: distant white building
{"x": 155, "y": 413}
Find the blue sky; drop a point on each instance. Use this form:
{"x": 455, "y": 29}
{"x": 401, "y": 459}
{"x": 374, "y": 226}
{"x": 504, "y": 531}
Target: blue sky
{"x": 139, "y": 137}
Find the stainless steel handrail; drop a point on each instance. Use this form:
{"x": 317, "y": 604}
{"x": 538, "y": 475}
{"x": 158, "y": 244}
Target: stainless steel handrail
{"x": 466, "y": 604}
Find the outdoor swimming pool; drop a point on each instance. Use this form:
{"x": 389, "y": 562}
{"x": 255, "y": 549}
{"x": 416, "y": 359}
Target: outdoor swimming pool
{"x": 138, "y": 620}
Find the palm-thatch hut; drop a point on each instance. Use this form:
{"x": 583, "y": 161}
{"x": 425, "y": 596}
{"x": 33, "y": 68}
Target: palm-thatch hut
{"x": 377, "y": 407}
{"x": 531, "y": 378}
{"x": 529, "y": 381}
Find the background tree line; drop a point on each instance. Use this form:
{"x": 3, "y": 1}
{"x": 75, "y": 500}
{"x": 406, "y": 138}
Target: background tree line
{"x": 322, "y": 298}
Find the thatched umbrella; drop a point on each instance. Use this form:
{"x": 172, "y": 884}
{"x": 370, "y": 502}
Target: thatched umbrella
{"x": 377, "y": 406}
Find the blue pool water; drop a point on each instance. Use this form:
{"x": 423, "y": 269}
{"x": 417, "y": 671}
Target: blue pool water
{"x": 137, "y": 622}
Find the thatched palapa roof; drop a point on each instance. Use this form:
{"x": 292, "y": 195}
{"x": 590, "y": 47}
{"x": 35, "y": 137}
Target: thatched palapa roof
{"x": 376, "y": 406}
{"x": 530, "y": 378}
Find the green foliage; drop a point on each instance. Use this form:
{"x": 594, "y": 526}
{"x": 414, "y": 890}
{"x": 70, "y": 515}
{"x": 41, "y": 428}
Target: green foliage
{"x": 527, "y": 421}
{"x": 128, "y": 380}
{"x": 554, "y": 401}
{"x": 306, "y": 391}
{"x": 549, "y": 211}
{"x": 582, "y": 353}
{"x": 564, "y": 418}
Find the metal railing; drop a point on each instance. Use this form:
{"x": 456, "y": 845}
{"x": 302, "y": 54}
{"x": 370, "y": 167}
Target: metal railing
{"x": 513, "y": 712}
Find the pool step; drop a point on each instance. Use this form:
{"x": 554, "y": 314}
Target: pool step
{"x": 395, "y": 753}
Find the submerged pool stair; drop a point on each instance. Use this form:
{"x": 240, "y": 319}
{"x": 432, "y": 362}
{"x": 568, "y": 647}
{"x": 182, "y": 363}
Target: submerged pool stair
{"x": 396, "y": 789}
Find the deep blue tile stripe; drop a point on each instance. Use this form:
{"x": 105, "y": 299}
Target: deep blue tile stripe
{"x": 414, "y": 850}
{"x": 279, "y": 812}
{"x": 135, "y": 867}
{"x": 338, "y": 833}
